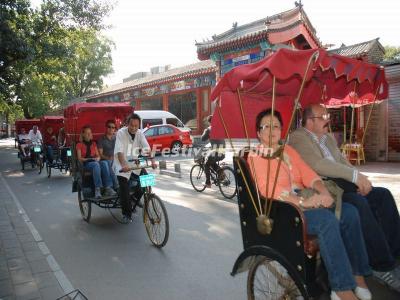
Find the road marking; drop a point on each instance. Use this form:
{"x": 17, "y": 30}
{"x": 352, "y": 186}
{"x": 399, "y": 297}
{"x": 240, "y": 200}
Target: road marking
{"x": 54, "y": 266}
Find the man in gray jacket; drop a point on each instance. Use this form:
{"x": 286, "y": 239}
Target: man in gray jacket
{"x": 378, "y": 212}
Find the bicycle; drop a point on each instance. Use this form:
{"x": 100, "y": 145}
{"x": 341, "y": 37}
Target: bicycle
{"x": 155, "y": 217}
{"x": 225, "y": 182}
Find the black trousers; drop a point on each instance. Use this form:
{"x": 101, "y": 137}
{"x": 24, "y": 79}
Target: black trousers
{"x": 211, "y": 162}
{"x": 380, "y": 222}
{"x": 124, "y": 190}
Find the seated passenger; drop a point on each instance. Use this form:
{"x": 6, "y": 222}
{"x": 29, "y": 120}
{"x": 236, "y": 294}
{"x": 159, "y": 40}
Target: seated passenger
{"x": 61, "y": 141}
{"x": 379, "y": 215}
{"x": 23, "y": 141}
{"x": 106, "y": 146}
{"x": 88, "y": 155}
{"x": 341, "y": 243}
{"x": 50, "y": 143}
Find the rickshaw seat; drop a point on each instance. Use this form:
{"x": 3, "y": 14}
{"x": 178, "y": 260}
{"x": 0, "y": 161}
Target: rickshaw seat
{"x": 310, "y": 242}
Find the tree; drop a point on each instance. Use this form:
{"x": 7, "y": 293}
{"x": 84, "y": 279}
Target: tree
{"x": 392, "y": 52}
{"x": 51, "y": 54}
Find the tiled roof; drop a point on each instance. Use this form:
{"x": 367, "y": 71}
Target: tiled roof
{"x": 356, "y": 50}
{"x": 203, "y": 67}
{"x": 259, "y": 28}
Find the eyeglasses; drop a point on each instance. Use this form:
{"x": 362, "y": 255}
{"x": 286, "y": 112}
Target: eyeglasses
{"x": 266, "y": 126}
{"x": 111, "y": 127}
{"x": 324, "y": 117}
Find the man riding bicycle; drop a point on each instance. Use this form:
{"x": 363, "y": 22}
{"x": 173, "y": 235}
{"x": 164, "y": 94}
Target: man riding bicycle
{"x": 128, "y": 144}
{"x": 217, "y": 153}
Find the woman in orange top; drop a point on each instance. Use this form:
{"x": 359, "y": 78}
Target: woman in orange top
{"x": 89, "y": 156}
{"x": 341, "y": 244}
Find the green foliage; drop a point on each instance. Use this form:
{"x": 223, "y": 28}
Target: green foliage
{"x": 392, "y": 52}
{"x": 53, "y": 54}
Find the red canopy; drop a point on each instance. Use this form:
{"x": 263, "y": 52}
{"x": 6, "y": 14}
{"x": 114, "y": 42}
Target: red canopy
{"x": 95, "y": 115}
{"x": 329, "y": 76}
{"x": 56, "y": 122}
{"x": 27, "y": 124}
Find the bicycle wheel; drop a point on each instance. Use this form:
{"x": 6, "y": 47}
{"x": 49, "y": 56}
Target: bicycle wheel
{"x": 227, "y": 184}
{"x": 84, "y": 206}
{"x": 155, "y": 220}
{"x": 269, "y": 280}
{"x": 198, "y": 178}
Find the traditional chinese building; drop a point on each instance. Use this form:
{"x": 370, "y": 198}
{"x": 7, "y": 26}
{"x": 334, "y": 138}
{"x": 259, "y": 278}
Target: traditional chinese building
{"x": 182, "y": 91}
{"x": 251, "y": 42}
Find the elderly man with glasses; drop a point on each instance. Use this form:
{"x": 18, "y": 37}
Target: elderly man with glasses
{"x": 376, "y": 206}
{"x": 106, "y": 146}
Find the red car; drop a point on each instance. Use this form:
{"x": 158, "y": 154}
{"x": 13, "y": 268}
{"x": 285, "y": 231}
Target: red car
{"x": 167, "y": 136}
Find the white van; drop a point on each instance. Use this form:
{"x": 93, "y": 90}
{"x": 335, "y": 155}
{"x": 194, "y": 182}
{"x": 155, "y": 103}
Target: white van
{"x": 159, "y": 117}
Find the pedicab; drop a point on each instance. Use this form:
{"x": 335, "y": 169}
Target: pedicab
{"x": 61, "y": 154}
{"x": 279, "y": 255}
{"x": 154, "y": 213}
{"x": 33, "y": 154}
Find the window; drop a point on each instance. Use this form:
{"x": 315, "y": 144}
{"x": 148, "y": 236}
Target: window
{"x": 151, "y": 104}
{"x": 150, "y": 132}
{"x": 165, "y": 130}
{"x": 151, "y": 122}
{"x": 184, "y": 106}
{"x": 172, "y": 121}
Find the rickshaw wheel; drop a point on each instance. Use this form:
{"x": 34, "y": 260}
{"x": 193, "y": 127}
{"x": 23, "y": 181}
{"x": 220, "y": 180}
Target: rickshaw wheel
{"x": 155, "y": 219}
{"x": 84, "y": 206}
{"x": 268, "y": 279}
{"x": 227, "y": 185}
{"x": 198, "y": 178}
{"x": 48, "y": 170}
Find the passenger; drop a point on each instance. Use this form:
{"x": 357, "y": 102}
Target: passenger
{"x": 128, "y": 144}
{"x": 214, "y": 155}
{"x": 106, "y": 146}
{"x": 61, "y": 141}
{"x": 50, "y": 143}
{"x": 379, "y": 215}
{"x": 341, "y": 243}
{"x": 23, "y": 141}
{"x": 88, "y": 155}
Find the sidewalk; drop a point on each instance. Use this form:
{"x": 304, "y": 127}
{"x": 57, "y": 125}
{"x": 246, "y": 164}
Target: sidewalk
{"x": 27, "y": 269}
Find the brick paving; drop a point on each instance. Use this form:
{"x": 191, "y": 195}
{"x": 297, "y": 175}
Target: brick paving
{"x": 25, "y": 271}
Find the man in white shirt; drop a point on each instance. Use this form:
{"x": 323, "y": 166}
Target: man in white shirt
{"x": 128, "y": 144}
{"x": 35, "y": 136}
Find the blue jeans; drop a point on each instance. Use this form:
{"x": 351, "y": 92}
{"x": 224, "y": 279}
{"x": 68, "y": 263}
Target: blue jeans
{"x": 107, "y": 165}
{"x": 380, "y": 223}
{"x": 100, "y": 176}
{"x": 341, "y": 245}
{"x": 49, "y": 153}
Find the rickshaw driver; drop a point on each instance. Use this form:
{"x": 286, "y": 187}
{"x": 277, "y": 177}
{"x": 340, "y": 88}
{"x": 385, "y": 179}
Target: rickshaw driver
{"x": 50, "y": 142}
{"x": 34, "y": 138}
{"x": 128, "y": 144}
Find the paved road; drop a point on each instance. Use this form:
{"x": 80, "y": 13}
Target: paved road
{"x": 107, "y": 260}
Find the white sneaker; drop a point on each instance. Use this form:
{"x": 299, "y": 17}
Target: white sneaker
{"x": 334, "y": 296}
{"x": 363, "y": 293}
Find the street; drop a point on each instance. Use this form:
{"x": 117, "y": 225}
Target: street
{"x": 108, "y": 260}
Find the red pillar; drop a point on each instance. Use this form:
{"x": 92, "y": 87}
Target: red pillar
{"x": 165, "y": 102}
